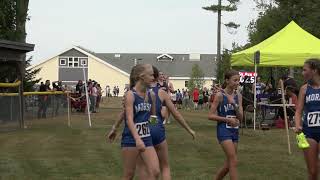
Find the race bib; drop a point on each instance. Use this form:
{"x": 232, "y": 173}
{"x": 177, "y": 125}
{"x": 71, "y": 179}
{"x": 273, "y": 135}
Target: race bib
{"x": 228, "y": 126}
{"x": 143, "y": 129}
{"x": 313, "y": 119}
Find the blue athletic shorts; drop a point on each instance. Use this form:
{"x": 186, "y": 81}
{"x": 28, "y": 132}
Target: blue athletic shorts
{"x": 311, "y": 134}
{"x": 132, "y": 143}
{"x": 158, "y": 134}
{"x": 224, "y": 133}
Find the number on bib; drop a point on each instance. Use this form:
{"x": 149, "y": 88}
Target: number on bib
{"x": 228, "y": 126}
{"x": 313, "y": 119}
{"x": 143, "y": 129}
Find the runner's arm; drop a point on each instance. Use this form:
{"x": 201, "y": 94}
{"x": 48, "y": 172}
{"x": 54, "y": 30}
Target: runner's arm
{"x": 299, "y": 107}
{"x": 213, "y": 110}
{"x": 176, "y": 114}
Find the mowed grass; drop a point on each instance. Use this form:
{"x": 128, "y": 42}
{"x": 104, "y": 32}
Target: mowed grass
{"x": 48, "y": 149}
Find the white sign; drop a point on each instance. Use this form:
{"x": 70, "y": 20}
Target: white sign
{"x": 247, "y": 77}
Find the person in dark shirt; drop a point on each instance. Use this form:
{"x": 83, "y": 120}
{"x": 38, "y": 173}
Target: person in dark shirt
{"x": 79, "y": 87}
{"x": 42, "y": 87}
{"x": 289, "y": 81}
{"x": 43, "y": 100}
{"x": 58, "y": 98}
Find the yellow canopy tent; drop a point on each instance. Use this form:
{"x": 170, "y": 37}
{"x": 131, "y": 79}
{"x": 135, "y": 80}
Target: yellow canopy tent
{"x": 291, "y": 46}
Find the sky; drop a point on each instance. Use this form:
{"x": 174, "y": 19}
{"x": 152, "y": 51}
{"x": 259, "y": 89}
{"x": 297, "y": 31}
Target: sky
{"x": 131, "y": 26}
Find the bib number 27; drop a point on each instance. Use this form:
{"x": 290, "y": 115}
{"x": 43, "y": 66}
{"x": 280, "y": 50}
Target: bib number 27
{"x": 313, "y": 119}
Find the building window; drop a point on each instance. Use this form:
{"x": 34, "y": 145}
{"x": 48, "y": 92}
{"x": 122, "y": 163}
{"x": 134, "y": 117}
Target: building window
{"x": 186, "y": 83}
{"x": 70, "y": 62}
{"x": 83, "y": 61}
{"x": 75, "y": 62}
{"x": 63, "y": 62}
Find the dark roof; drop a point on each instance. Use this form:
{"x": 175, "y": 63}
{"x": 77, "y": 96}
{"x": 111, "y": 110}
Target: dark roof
{"x": 13, "y": 51}
{"x": 73, "y": 52}
{"x": 180, "y": 66}
{"x": 13, "y": 45}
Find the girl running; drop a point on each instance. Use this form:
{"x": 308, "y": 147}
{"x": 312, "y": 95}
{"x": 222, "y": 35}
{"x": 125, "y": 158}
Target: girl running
{"x": 136, "y": 140}
{"x": 309, "y": 104}
{"x": 227, "y": 110}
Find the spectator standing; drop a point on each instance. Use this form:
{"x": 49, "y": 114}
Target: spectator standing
{"x": 57, "y": 101}
{"x": 200, "y": 102}
{"x": 114, "y": 91}
{"x": 93, "y": 97}
{"x": 186, "y": 99}
{"x": 44, "y": 100}
{"x": 118, "y": 90}
{"x": 179, "y": 99}
{"x": 260, "y": 87}
{"x": 289, "y": 81}
{"x": 174, "y": 98}
{"x": 99, "y": 95}
{"x": 195, "y": 96}
{"x": 79, "y": 87}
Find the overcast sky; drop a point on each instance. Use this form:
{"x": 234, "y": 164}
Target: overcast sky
{"x": 131, "y": 26}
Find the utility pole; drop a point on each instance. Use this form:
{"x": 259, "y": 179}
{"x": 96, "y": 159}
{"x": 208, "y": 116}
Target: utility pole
{"x": 219, "y": 33}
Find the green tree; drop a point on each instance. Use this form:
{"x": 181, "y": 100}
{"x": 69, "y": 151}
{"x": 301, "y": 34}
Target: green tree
{"x": 13, "y": 17}
{"x": 196, "y": 77}
{"x": 223, "y": 65}
{"x": 30, "y": 76}
{"x": 11, "y": 75}
{"x": 276, "y": 14}
{"x": 7, "y": 20}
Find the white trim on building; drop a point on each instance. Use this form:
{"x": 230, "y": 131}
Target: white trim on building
{"x": 101, "y": 61}
{"x": 63, "y": 61}
{"x": 165, "y": 55}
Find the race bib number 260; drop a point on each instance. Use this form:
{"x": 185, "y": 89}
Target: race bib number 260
{"x": 313, "y": 119}
{"x": 143, "y": 129}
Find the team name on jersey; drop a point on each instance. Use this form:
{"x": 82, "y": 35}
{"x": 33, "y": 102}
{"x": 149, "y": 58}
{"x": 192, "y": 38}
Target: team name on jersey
{"x": 312, "y": 97}
{"x": 228, "y": 107}
{"x": 143, "y": 107}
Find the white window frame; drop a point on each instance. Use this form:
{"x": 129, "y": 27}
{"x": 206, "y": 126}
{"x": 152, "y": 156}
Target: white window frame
{"x": 63, "y": 59}
{"x": 70, "y": 60}
{"x": 76, "y": 60}
{"x": 85, "y": 60}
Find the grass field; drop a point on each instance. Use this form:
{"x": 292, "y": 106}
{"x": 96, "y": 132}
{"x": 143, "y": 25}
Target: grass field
{"x": 48, "y": 149}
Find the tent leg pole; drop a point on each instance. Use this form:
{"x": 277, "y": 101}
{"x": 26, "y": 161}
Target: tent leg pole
{"x": 255, "y": 97}
{"x": 285, "y": 115}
